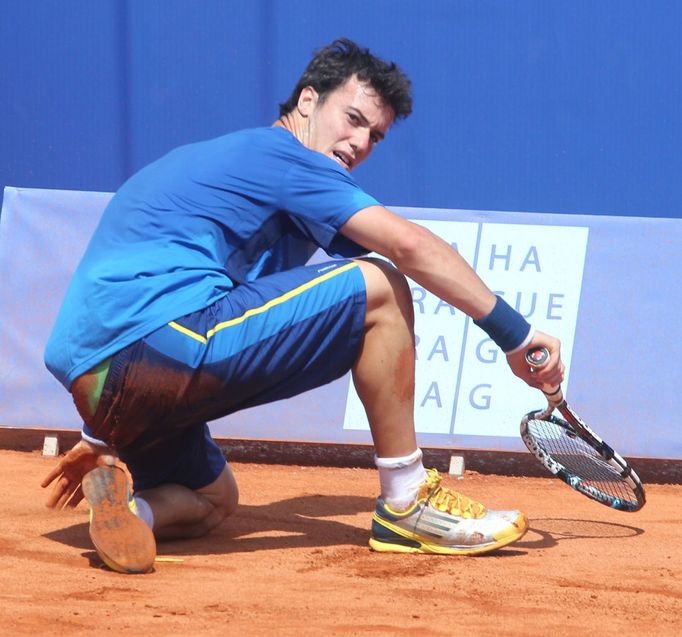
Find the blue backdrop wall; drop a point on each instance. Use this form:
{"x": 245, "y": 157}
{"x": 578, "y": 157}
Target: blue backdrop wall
{"x": 531, "y": 105}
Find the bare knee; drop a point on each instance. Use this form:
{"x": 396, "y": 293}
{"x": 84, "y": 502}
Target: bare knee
{"x": 388, "y": 291}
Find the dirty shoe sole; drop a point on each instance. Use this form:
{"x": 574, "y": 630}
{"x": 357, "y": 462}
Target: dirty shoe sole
{"x": 123, "y": 541}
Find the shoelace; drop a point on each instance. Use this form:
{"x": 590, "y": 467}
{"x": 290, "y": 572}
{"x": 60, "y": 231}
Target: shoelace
{"x": 450, "y": 501}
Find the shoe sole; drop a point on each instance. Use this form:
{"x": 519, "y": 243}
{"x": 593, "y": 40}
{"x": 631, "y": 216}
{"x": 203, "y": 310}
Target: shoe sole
{"x": 123, "y": 541}
{"x": 413, "y": 544}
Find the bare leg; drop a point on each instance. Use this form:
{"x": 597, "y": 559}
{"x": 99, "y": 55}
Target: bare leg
{"x": 180, "y": 512}
{"x": 384, "y": 372}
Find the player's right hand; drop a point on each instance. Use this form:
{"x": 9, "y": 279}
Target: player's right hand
{"x": 549, "y": 376}
{"x": 68, "y": 474}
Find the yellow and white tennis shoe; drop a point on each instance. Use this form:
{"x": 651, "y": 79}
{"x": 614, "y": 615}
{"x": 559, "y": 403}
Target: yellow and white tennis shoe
{"x": 444, "y": 521}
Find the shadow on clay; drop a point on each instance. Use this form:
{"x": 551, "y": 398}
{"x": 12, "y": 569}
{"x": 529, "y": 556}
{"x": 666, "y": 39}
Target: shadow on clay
{"x": 548, "y": 532}
{"x": 300, "y": 523}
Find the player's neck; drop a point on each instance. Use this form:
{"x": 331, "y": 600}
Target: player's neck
{"x": 295, "y": 124}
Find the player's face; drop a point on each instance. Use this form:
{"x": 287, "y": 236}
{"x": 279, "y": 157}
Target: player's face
{"x": 348, "y": 124}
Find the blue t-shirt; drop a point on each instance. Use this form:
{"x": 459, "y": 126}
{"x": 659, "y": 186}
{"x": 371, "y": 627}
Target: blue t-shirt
{"x": 182, "y": 232}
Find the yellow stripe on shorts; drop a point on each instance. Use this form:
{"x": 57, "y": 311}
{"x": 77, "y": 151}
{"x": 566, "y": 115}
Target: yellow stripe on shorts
{"x": 263, "y": 308}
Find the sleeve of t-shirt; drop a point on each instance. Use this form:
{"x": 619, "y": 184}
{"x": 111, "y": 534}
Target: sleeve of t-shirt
{"x": 319, "y": 199}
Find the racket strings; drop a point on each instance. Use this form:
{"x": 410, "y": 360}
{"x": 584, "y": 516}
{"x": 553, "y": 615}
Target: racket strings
{"x": 580, "y": 459}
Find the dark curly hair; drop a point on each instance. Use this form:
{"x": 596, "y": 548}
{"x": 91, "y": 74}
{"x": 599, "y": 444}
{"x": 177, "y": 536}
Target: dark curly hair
{"x": 336, "y": 63}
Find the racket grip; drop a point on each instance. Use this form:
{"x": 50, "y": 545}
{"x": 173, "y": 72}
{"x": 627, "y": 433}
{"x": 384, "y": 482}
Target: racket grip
{"x": 537, "y": 357}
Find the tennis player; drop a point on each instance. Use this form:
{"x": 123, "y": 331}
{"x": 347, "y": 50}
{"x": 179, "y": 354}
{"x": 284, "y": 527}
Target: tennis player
{"x": 193, "y": 301}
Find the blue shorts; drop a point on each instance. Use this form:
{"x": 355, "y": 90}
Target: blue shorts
{"x": 266, "y": 340}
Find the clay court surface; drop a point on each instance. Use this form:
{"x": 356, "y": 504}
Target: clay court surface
{"x": 294, "y": 561}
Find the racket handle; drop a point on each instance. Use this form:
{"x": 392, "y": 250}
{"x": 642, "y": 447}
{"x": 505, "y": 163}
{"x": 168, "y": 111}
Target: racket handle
{"x": 537, "y": 357}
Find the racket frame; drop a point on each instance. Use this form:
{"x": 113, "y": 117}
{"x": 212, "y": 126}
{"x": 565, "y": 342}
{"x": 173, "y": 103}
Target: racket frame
{"x": 574, "y": 424}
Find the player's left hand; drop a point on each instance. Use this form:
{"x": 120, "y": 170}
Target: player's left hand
{"x": 69, "y": 472}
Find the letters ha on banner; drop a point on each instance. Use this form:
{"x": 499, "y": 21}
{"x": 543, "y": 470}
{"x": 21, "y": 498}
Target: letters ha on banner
{"x": 463, "y": 383}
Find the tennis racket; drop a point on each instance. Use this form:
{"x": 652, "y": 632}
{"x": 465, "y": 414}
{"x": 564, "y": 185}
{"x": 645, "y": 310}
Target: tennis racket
{"x": 570, "y": 450}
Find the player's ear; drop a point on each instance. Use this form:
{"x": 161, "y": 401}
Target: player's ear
{"x": 307, "y": 101}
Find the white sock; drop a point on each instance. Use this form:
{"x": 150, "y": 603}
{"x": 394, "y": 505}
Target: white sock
{"x": 144, "y": 511}
{"x": 400, "y": 479}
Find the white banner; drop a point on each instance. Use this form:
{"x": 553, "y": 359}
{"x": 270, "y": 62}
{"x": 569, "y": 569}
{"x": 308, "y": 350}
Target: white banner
{"x": 463, "y": 383}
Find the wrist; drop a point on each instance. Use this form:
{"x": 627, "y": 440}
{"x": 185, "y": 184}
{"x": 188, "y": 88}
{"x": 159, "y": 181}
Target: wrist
{"x": 506, "y": 327}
